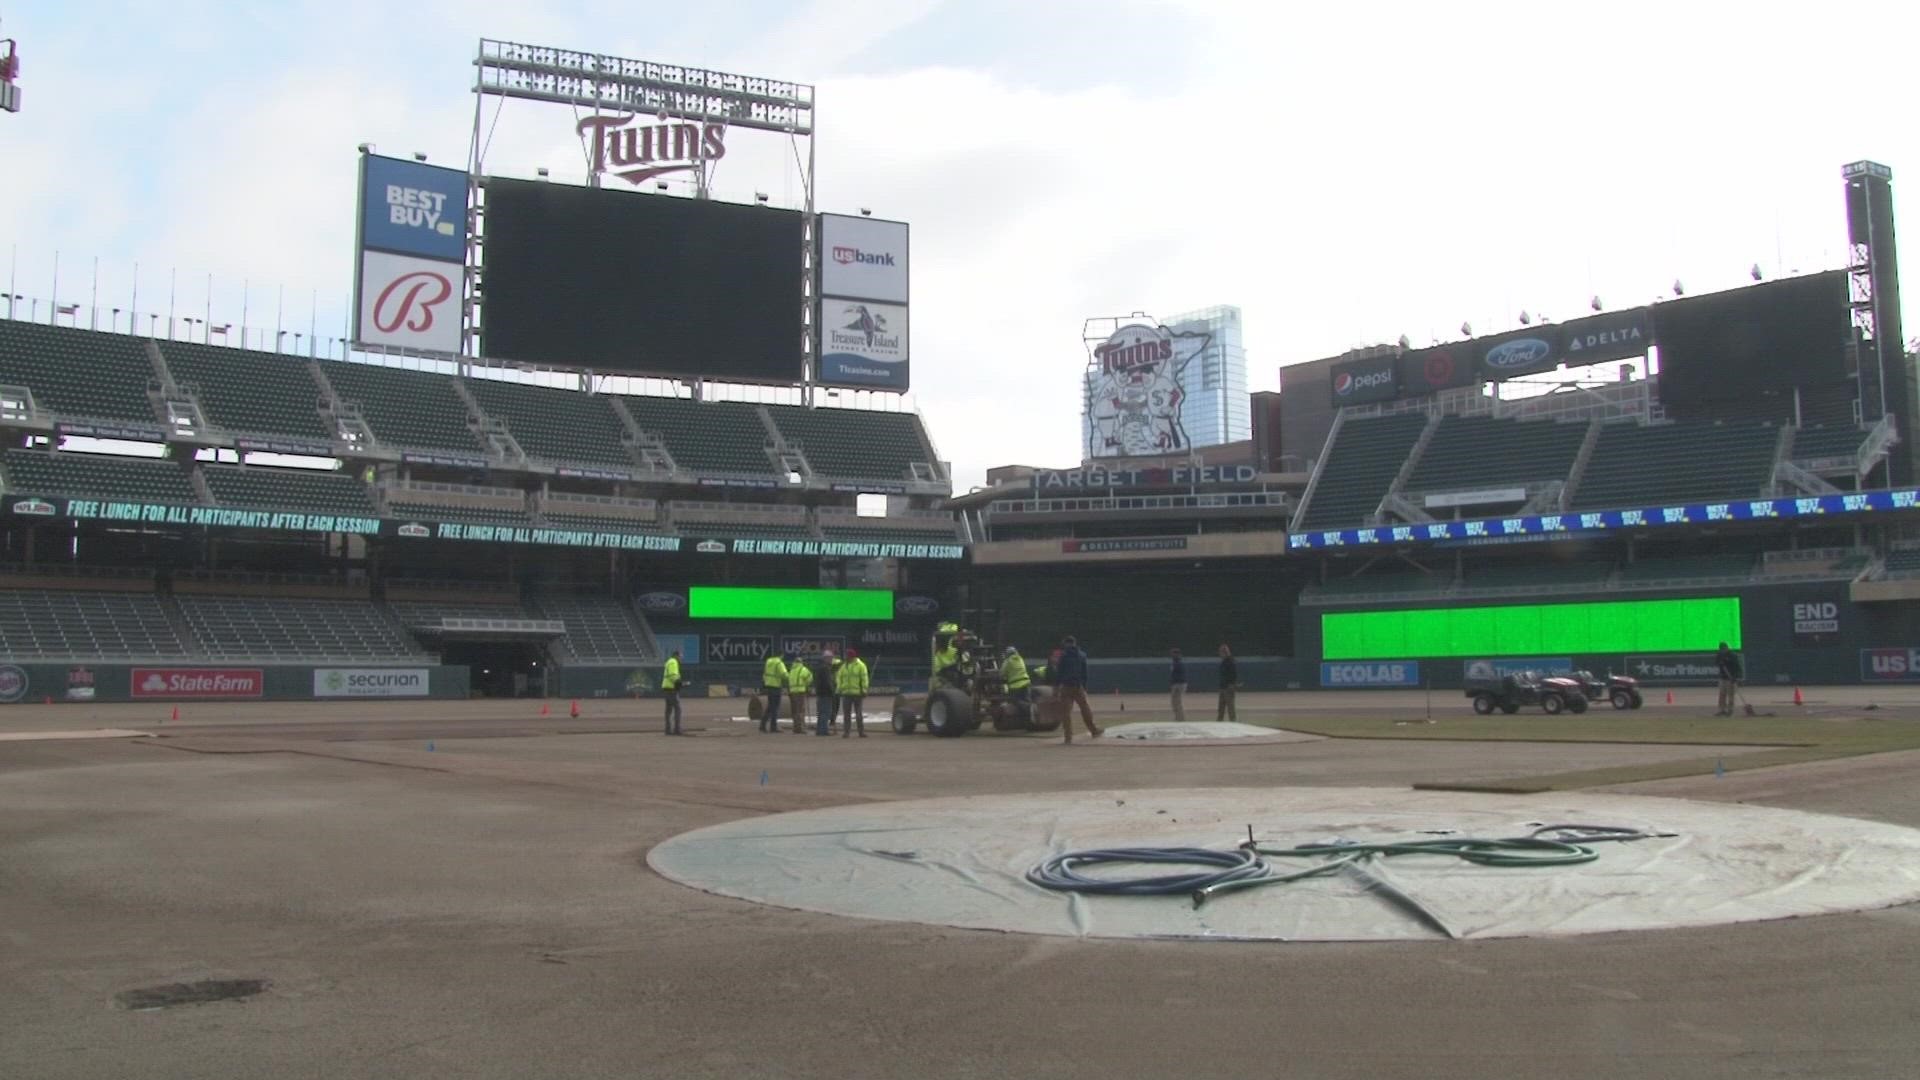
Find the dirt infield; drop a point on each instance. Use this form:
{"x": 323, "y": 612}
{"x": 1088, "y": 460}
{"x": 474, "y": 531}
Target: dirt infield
{"x": 454, "y": 889}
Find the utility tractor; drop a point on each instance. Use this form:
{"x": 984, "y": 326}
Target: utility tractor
{"x": 1552, "y": 694}
{"x": 971, "y": 694}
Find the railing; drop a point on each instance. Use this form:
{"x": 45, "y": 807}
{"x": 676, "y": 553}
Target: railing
{"x": 454, "y": 494}
{"x": 1226, "y": 500}
{"x": 1312, "y": 597}
{"x": 942, "y": 516}
{"x": 70, "y": 570}
{"x": 1319, "y": 468}
{"x": 698, "y": 510}
{"x": 581, "y": 503}
{"x": 438, "y": 585}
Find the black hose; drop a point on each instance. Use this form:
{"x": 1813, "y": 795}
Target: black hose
{"x": 1245, "y": 867}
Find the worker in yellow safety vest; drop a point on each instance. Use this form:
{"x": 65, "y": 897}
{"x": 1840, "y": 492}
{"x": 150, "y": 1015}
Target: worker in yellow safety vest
{"x": 851, "y": 682}
{"x": 773, "y": 681}
{"x": 1013, "y": 672}
{"x": 670, "y": 690}
{"x": 799, "y": 682}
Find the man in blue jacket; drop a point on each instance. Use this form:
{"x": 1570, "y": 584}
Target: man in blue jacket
{"x": 1072, "y": 677}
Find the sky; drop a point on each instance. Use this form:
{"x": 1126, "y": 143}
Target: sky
{"x": 1345, "y": 174}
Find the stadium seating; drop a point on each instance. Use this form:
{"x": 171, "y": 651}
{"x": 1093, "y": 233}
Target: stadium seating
{"x": 470, "y": 515}
{"x": 1637, "y": 466}
{"x": 559, "y": 425}
{"x": 1903, "y": 561}
{"x": 1365, "y": 457}
{"x": 246, "y": 391}
{"x": 423, "y": 613}
{"x": 854, "y": 443}
{"x": 709, "y": 436}
{"x": 1480, "y": 451}
{"x": 91, "y": 476}
{"x": 37, "y": 624}
{"x": 305, "y": 490}
{"x": 79, "y": 373}
{"x": 1826, "y": 442}
{"x": 892, "y": 536}
{"x": 405, "y": 408}
{"x": 1644, "y": 572}
{"x": 600, "y": 630}
{"x": 306, "y": 631}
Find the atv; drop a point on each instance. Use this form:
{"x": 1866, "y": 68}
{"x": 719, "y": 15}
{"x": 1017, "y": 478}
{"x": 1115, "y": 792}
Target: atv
{"x": 973, "y": 694}
{"x": 1554, "y": 694}
{"x": 1622, "y": 691}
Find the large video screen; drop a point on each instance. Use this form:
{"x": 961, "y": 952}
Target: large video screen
{"x": 1631, "y": 626}
{"x": 743, "y": 602}
{"x": 641, "y": 283}
{"x": 1769, "y": 337}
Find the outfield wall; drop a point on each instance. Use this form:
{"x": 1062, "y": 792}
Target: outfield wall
{"x": 181, "y": 682}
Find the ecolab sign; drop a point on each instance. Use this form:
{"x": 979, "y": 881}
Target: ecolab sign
{"x": 1391, "y": 673}
{"x": 197, "y": 682}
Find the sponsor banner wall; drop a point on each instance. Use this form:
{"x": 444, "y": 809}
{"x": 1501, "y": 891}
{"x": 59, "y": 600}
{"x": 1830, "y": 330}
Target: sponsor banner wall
{"x": 688, "y": 644}
{"x": 1612, "y": 335}
{"x": 1362, "y": 382}
{"x": 1401, "y": 673}
{"x": 890, "y": 641}
{"x": 411, "y": 208}
{"x": 409, "y": 303}
{"x": 863, "y": 343}
{"x": 1443, "y": 367}
{"x": 863, "y": 257}
{"x": 912, "y": 607}
{"x": 662, "y": 602}
{"x": 1899, "y": 663}
{"x": 738, "y": 648}
{"x": 196, "y": 682}
{"x": 1680, "y": 669}
{"x": 1124, "y": 543}
{"x": 811, "y": 646}
{"x": 1536, "y": 348}
{"x": 1097, "y": 478}
{"x": 370, "y": 682}
{"x": 1500, "y": 667}
{"x": 15, "y": 683}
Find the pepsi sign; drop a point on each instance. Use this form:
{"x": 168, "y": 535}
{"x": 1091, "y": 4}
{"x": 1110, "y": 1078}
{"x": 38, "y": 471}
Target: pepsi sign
{"x": 1361, "y": 382}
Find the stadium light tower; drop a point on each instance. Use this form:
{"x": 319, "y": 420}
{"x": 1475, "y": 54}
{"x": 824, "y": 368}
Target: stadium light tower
{"x": 9, "y": 71}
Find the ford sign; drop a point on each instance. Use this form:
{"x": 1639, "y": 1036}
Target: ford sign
{"x": 661, "y": 603}
{"x": 916, "y": 605}
{"x": 1518, "y": 353}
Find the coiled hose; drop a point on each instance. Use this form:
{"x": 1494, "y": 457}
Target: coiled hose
{"x": 1245, "y": 867}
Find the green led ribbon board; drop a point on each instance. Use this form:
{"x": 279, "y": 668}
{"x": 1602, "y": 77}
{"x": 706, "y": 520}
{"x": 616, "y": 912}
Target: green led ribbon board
{"x": 1634, "y": 626}
{"x": 743, "y": 602}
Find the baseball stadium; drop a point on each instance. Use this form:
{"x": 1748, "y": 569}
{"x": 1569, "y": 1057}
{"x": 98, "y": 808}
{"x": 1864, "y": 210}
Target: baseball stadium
{"x": 1532, "y": 703}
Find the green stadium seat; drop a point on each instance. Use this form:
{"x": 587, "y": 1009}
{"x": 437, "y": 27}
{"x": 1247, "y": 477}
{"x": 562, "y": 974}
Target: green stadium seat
{"x": 305, "y": 490}
{"x": 1469, "y": 452}
{"x": 241, "y": 390}
{"x": 706, "y": 436}
{"x": 1361, "y": 463}
{"x": 600, "y": 630}
{"x": 855, "y": 443}
{"x": 1811, "y": 443}
{"x": 1640, "y": 466}
{"x": 86, "y": 626}
{"x": 406, "y": 408}
{"x": 558, "y": 425}
{"x": 79, "y": 373}
{"x": 302, "y": 631}
{"x": 94, "y": 476}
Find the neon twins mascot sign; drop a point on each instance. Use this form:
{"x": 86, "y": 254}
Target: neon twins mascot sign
{"x": 1134, "y": 391}
{"x": 637, "y": 153}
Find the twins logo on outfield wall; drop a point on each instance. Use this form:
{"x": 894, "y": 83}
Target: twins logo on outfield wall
{"x": 1133, "y": 391}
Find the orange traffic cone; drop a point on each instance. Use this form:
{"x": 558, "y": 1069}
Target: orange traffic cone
{"x": 1669, "y": 697}
{"x": 545, "y": 709}
{"x": 574, "y": 711}
{"x": 1797, "y": 699}
{"x": 48, "y": 701}
{"x": 176, "y": 713}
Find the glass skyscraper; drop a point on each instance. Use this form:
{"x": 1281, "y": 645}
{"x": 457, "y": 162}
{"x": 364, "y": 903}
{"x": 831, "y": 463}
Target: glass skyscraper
{"x": 1215, "y": 410}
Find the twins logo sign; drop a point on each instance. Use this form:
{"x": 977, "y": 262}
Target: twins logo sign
{"x": 1133, "y": 391}
{"x": 409, "y": 303}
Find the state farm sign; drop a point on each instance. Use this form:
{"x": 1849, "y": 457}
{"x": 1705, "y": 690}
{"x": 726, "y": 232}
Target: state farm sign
{"x": 198, "y": 683}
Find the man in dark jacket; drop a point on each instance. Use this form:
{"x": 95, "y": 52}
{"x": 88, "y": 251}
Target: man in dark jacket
{"x": 1177, "y": 686}
{"x": 1072, "y": 680}
{"x": 1229, "y": 686}
{"x": 1729, "y": 663}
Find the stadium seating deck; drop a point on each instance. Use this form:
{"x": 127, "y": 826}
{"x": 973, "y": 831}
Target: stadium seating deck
{"x": 405, "y": 408}
{"x": 93, "y": 476}
{"x": 471, "y": 515}
{"x": 1360, "y": 466}
{"x": 715, "y": 436}
{"x": 288, "y": 489}
{"x": 258, "y": 628}
{"x": 1635, "y": 466}
{"x": 603, "y": 524}
{"x": 247, "y": 391}
{"x": 414, "y": 613}
{"x": 1682, "y": 567}
{"x": 1480, "y": 451}
{"x": 1826, "y": 442}
{"x": 559, "y": 425}
{"x": 79, "y": 373}
{"x": 85, "y": 625}
{"x": 892, "y": 536}
{"x": 1903, "y": 561}
{"x": 600, "y": 630}
{"x": 852, "y": 442}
